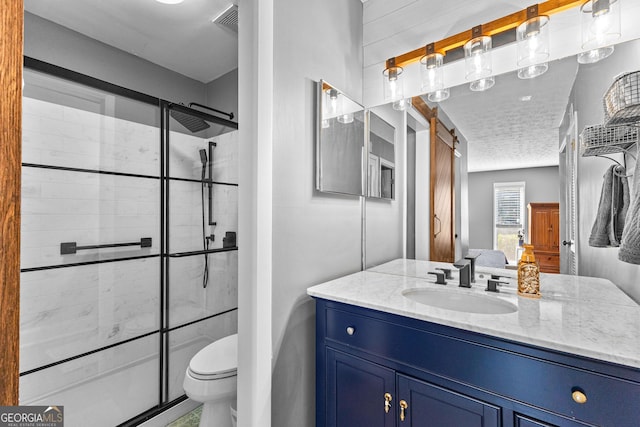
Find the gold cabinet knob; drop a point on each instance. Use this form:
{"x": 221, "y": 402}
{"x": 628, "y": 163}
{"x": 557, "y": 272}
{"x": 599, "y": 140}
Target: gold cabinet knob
{"x": 387, "y": 402}
{"x": 578, "y": 396}
{"x": 403, "y": 407}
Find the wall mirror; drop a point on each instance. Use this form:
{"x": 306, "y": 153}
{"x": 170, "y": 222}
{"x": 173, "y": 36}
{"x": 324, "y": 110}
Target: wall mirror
{"x": 380, "y": 157}
{"x": 340, "y": 142}
{"x": 530, "y": 130}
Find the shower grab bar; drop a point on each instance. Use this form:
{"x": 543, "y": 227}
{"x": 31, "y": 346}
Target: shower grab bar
{"x": 203, "y": 252}
{"x": 68, "y": 248}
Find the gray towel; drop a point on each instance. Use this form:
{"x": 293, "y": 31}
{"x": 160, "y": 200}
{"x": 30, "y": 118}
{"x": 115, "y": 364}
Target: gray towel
{"x": 630, "y": 246}
{"x": 609, "y": 225}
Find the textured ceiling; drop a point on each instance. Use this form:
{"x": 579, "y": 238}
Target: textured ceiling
{"x": 504, "y": 132}
{"x": 179, "y": 37}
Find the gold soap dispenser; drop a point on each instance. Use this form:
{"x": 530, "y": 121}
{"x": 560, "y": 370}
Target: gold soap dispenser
{"x": 528, "y": 274}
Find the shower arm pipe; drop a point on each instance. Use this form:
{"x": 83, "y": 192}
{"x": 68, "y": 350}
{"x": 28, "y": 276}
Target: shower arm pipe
{"x": 202, "y": 115}
{"x": 230, "y": 115}
{"x": 495, "y": 27}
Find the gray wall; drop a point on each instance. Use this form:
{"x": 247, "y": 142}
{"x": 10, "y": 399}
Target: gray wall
{"x": 591, "y": 83}
{"x": 55, "y": 44}
{"x": 222, "y": 93}
{"x": 541, "y": 185}
{"x": 316, "y": 237}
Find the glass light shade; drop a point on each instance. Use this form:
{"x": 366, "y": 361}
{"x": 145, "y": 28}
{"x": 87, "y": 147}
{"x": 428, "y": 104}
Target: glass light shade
{"x": 432, "y": 73}
{"x": 601, "y": 26}
{"x": 533, "y": 47}
{"x": 345, "y": 118}
{"x": 594, "y": 55}
{"x": 392, "y": 84}
{"x": 482, "y": 84}
{"x": 438, "y": 95}
{"x": 331, "y": 103}
{"x": 401, "y": 104}
{"x": 477, "y": 53}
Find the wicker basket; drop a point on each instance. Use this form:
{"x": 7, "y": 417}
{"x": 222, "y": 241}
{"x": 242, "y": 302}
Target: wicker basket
{"x": 622, "y": 100}
{"x": 601, "y": 139}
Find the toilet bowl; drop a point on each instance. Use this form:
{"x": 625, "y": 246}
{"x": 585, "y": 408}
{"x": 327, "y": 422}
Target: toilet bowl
{"x": 211, "y": 378}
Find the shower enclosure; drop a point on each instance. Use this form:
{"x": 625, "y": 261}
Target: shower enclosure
{"x": 128, "y": 253}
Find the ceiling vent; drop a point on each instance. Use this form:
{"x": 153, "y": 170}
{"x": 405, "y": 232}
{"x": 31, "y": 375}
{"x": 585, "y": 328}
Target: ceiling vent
{"x": 228, "y": 18}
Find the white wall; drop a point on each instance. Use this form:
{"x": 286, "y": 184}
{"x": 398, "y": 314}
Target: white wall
{"x": 316, "y": 237}
{"x": 423, "y": 184}
{"x": 541, "y": 185}
{"x": 591, "y": 83}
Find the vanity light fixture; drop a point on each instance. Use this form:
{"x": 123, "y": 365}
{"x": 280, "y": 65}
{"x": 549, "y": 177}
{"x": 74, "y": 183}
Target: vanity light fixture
{"x": 478, "y": 66}
{"x": 170, "y": 1}
{"x": 335, "y": 107}
{"x": 432, "y": 75}
{"x": 600, "y": 20}
{"x": 533, "y": 44}
{"x": 534, "y": 39}
{"x": 392, "y": 82}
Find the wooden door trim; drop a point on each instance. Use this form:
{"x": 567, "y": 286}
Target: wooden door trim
{"x": 11, "y": 42}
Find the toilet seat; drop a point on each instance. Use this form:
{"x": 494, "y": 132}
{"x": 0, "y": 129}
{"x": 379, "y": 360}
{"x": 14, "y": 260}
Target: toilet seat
{"x": 217, "y": 360}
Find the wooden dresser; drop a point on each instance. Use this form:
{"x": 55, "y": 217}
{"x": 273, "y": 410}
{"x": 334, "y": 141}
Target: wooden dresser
{"x": 544, "y": 235}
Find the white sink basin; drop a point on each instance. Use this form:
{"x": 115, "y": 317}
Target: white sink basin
{"x": 457, "y": 300}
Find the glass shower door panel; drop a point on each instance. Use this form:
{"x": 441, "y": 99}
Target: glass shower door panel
{"x": 90, "y": 251}
{"x": 103, "y": 389}
{"x": 185, "y": 342}
{"x": 62, "y": 206}
{"x": 69, "y": 125}
{"x": 67, "y": 312}
{"x": 189, "y": 300}
{"x": 186, "y": 233}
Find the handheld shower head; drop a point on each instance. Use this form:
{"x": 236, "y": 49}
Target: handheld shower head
{"x": 203, "y": 159}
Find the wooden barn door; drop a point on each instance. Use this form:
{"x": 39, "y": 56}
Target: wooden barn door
{"x": 442, "y": 193}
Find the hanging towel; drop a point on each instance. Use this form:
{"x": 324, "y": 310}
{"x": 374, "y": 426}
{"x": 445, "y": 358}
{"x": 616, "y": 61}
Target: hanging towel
{"x": 630, "y": 246}
{"x": 609, "y": 225}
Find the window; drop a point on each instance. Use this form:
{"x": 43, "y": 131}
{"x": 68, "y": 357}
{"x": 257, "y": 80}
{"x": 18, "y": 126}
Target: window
{"x": 508, "y": 217}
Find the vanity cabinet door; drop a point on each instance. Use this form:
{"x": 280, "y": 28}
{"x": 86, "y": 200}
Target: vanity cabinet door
{"x": 356, "y": 390}
{"x": 428, "y": 405}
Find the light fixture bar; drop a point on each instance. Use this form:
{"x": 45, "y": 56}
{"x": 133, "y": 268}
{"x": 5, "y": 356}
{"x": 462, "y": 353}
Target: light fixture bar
{"x": 494, "y": 27}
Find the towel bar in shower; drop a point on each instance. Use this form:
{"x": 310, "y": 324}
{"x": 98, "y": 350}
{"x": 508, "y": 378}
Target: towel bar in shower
{"x": 67, "y": 248}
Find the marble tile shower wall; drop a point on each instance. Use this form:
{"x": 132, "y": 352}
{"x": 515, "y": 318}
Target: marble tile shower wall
{"x": 72, "y": 310}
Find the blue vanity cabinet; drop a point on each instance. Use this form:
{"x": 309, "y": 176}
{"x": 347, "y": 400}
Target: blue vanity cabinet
{"x": 356, "y": 391}
{"x": 449, "y": 376}
{"x": 427, "y": 405}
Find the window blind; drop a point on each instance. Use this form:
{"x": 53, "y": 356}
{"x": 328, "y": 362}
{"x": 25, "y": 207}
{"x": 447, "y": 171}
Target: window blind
{"x": 508, "y": 206}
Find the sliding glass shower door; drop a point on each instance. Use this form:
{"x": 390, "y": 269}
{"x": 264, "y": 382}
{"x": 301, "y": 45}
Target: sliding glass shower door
{"x": 200, "y": 223}
{"x": 90, "y": 252}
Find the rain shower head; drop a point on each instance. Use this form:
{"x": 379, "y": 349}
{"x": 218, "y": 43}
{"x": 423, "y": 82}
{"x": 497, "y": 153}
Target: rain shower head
{"x": 192, "y": 123}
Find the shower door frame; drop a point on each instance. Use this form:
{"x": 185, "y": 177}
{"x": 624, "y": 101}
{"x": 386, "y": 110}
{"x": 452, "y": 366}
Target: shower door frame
{"x": 164, "y": 255}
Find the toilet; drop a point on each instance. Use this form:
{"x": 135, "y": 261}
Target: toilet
{"x": 211, "y": 378}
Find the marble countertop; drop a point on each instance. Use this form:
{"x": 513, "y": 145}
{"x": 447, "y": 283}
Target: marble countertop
{"x": 580, "y": 315}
